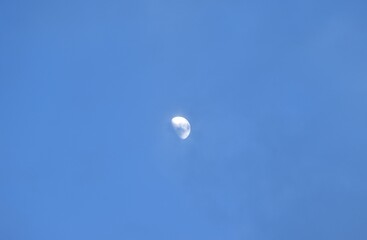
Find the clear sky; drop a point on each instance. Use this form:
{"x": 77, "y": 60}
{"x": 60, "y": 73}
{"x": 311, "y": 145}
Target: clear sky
{"x": 275, "y": 91}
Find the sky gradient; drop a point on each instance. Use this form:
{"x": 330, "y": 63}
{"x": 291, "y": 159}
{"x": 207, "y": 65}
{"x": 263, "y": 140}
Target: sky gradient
{"x": 275, "y": 92}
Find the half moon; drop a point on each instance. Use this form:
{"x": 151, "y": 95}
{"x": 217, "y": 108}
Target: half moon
{"x": 181, "y": 126}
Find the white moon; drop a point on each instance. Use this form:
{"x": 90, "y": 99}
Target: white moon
{"x": 181, "y": 126}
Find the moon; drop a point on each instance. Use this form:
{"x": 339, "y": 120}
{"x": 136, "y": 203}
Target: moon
{"x": 181, "y": 126}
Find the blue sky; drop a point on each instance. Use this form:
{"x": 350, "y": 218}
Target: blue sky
{"x": 275, "y": 92}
